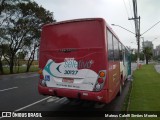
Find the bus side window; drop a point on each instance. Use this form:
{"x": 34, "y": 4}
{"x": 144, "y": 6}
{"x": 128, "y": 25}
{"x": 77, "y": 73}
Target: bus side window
{"x": 123, "y": 54}
{"x": 127, "y": 55}
{"x": 116, "y": 49}
{"x": 110, "y": 46}
{"x": 120, "y": 52}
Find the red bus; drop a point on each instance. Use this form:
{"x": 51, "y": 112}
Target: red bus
{"x": 82, "y": 59}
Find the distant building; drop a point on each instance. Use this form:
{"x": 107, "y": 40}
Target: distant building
{"x": 157, "y": 50}
{"x": 147, "y": 44}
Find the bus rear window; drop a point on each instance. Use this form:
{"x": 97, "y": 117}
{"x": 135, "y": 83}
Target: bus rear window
{"x": 78, "y": 34}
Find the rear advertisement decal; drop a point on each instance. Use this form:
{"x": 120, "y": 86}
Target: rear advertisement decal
{"x": 70, "y": 63}
{"x": 70, "y": 74}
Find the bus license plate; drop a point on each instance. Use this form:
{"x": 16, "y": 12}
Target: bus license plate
{"x": 68, "y": 80}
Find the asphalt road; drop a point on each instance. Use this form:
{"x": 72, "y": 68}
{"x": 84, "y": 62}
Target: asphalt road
{"x": 20, "y": 93}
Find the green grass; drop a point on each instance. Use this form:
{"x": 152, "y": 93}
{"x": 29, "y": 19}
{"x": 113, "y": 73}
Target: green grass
{"x": 145, "y": 94}
{"x": 22, "y": 69}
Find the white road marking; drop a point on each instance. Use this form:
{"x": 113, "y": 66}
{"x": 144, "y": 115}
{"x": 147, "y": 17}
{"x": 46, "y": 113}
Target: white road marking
{"x": 52, "y": 99}
{"x": 63, "y": 101}
{"x": 8, "y": 89}
{"x": 56, "y": 99}
{"x": 60, "y": 100}
{"x": 32, "y": 104}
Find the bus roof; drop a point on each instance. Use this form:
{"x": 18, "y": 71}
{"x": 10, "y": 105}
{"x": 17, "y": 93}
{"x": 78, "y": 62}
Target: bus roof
{"x": 80, "y": 20}
{"x": 74, "y": 20}
{"x": 84, "y": 19}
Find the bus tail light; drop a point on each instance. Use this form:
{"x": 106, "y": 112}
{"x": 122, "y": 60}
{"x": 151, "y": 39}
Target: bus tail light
{"x": 101, "y": 74}
{"x": 40, "y": 71}
{"x": 41, "y": 77}
{"x": 42, "y": 81}
{"x": 100, "y": 80}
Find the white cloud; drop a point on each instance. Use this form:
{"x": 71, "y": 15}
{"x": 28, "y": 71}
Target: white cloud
{"x": 113, "y": 11}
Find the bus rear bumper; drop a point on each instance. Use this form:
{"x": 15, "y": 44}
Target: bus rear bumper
{"x": 100, "y": 96}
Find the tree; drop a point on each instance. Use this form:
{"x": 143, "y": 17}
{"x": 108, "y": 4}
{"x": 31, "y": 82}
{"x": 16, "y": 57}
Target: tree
{"x": 148, "y": 53}
{"x": 38, "y": 17}
{"x": 32, "y": 55}
{"x": 133, "y": 57}
{"x": 21, "y": 26}
{"x": 9, "y": 16}
{"x": 4, "y": 54}
{"x": 2, "y": 7}
{"x": 21, "y": 55}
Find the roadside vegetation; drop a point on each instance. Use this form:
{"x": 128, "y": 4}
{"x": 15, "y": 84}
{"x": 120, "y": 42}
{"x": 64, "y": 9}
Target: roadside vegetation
{"x": 21, "y": 67}
{"x": 20, "y": 26}
{"x": 144, "y": 95}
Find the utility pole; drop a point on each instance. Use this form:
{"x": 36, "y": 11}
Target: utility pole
{"x": 137, "y": 28}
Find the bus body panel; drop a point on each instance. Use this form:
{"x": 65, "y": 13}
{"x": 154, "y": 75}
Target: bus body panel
{"x": 72, "y": 56}
{"x": 101, "y": 96}
{"x": 114, "y": 79}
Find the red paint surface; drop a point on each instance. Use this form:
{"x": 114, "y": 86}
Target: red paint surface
{"x": 87, "y": 39}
